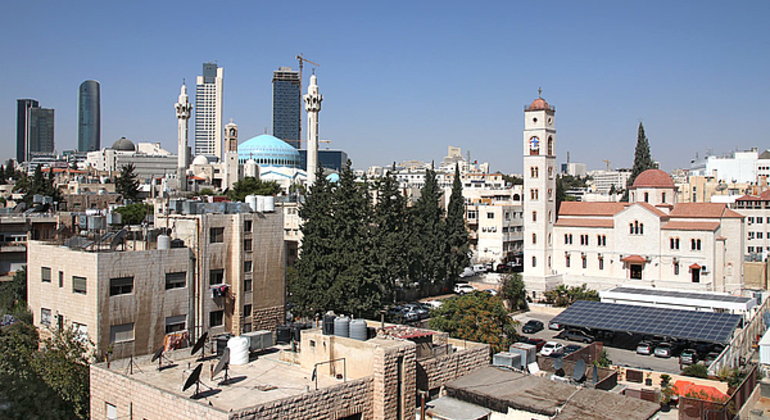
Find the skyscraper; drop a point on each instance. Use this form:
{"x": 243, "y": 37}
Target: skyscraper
{"x": 208, "y": 111}
{"x": 287, "y": 105}
{"x": 89, "y": 119}
{"x": 40, "y": 131}
{"x": 22, "y": 128}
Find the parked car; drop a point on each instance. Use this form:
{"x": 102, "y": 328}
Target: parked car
{"x": 576, "y": 335}
{"x": 402, "y": 314}
{"x": 421, "y": 312}
{"x": 645, "y": 347}
{"x": 468, "y": 272}
{"x": 571, "y": 348}
{"x": 689, "y": 357}
{"x": 664, "y": 350}
{"x": 537, "y": 342}
{"x": 492, "y": 292}
{"x": 532, "y": 326}
{"x": 551, "y": 347}
{"x": 434, "y": 304}
{"x": 480, "y": 268}
{"x": 553, "y": 325}
{"x": 710, "y": 358}
{"x": 463, "y": 288}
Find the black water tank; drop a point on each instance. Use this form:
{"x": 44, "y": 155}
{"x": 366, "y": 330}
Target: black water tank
{"x": 296, "y": 333}
{"x": 329, "y": 324}
{"x": 222, "y": 342}
{"x": 283, "y": 334}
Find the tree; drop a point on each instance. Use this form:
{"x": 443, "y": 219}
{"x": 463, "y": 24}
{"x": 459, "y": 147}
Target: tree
{"x": 514, "y": 292}
{"x": 389, "y": 233}
{"x": 513, "y": 179}
{"x": 10, "y": 171}
{"x": 127, "y": 185}
{"x": 134, "y": 213}
{"x": 252, "y": 186}
{"x": 13, "y": 294}
{"x": 642, "y": 158}
{"x": 428, "y": 237}
{"x": 205, "y": 191}
{"x": 564, "y": 296}
{"x": 2, "y": 175}
{"x": 697, "y": 371}
{"x": 456, "y": 234}
{"x": 476, "y": 317}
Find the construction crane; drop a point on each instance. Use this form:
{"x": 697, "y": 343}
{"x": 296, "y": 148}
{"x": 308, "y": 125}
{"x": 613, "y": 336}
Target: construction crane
{"x": 608, "y": 164}
{"x": 301, "y": 62}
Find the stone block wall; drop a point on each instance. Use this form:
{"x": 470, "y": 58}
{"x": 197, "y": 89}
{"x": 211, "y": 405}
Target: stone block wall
{"x": 394, "y": 392}
{"x": 433, "y": 373}
{"x": 268, "y": 318}
{"x": 352, "y": 397}
{"x": 137, "y": 400}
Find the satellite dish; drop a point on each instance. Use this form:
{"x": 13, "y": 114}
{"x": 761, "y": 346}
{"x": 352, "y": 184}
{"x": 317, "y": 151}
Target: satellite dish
{"x": 199, "y": 344}
{"x": 194, "y": 378}
{"x": 224, "y": 362}
{"x": 158, "y": 354}
{"x": 596, "y": 375}
{"x": 580, "y": 370}
{"x": 558, "y": 364}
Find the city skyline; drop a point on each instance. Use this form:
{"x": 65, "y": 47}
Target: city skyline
{"x": 435, "y": 76}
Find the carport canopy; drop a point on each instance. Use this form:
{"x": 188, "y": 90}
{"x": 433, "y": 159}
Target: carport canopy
{"x": 710, "y": 327}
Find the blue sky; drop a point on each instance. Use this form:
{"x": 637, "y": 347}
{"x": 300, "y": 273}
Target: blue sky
{"x": 403, "y": 80}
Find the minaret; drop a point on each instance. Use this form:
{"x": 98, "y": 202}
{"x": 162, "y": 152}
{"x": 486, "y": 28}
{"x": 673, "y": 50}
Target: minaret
{"x": 313, "y": 107}
{"x": 183, "y": 110}
{"x": 539, "y": 195}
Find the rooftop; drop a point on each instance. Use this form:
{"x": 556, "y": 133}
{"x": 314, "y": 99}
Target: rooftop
{"x": 653, "y": 178}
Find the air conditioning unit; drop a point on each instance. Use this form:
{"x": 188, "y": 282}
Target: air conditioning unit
{"x": 507, "y": 359}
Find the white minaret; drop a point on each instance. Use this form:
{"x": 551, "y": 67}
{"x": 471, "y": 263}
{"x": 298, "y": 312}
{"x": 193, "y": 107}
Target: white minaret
{"x": 539, "y": 195}
{"x": 183, "y": 110}
{"x": 313, "y": 107}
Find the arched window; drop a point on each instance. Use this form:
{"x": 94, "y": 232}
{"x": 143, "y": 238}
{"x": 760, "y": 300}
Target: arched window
{"x": 585, "y": 262}
{"x": 664, "y": 198}
{"x": 646, "y": 197}
{"x": 534, "y": 261}
{"x": 534, "y": 238}
{"x": 566, "y": 260}
{"x": 534, "y": 216}
{"x": 550, "y": 145}
{"x": 631, "y": 228}
{"x": 549, "y": 261}
{"x": 550, "y": 239}
{"x": 641, "y": 228}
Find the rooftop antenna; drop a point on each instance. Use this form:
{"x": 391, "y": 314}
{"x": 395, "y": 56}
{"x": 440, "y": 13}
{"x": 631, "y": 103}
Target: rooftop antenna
{"x": 131, "y": 365}
{"x": 159, "y": 357}
{"x": 194, "y": 379}
{"x": 200, "y": 345}
{"x": 224, "y": 364}
{"x": 580, "y": 371}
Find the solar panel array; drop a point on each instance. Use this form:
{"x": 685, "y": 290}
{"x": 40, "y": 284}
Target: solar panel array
{"x": 676, "y": 323}
{"x": 682, "y": 295}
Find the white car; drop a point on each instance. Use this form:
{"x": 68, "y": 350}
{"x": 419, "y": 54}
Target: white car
{"x": 464, "y": 288}
{"x": 551, "y": 347}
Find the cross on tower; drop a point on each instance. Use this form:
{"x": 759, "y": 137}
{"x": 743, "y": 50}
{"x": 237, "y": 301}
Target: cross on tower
{"x": 540, "y": 92}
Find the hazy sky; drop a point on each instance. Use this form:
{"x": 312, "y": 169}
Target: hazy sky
{"x": 403, "y": 80}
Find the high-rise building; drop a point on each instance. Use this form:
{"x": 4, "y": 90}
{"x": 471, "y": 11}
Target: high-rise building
{"x": 40, "y": 131}
{"x": 22, "y": 128}
{"x": 89, "y": 117}
{"x": 209, "y": 91}
{"x": 287, "y": 105}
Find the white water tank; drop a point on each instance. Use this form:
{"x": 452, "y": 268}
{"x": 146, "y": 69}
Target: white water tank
{"x": 260, "y": 203}
{"x": 251, "y": 200}
{"x": 239, "y": 350}
{"x": 342, "y": 326}
{"x": 269, "y": 204}
{"x": 164, "y": 242}
{"x": 358, "y": 330}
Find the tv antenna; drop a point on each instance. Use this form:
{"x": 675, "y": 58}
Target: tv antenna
{"x": 195, "y": 379}
{"x": 159, "y": 356}
{"x": 200, "y": 345}
{"x": 224, "y": 364}
{"x": 580, "y": 371}
{"x": 131, "y": 364}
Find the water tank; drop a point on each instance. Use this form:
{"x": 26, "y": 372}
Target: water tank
{"x": 239, "y": 350}
{"x": 222, "y": 343}
{"x": 358, "y": 330}
{"x": 283, "y": 334}
{"x": 261, "y": 203}
{"x": 269, "y": 206}
{"x": 342, "y": 326}
{"x": 328, "y": 327}
{"x": 251, "y": 200}
{"x": 164, "y": 242}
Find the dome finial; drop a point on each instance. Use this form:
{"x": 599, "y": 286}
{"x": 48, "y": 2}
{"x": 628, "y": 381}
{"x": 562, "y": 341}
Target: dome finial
{"x": 540, "y": 92}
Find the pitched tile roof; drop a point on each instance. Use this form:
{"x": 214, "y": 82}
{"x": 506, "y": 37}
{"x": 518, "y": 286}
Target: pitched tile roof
{"x": 575, "y": 208}
{"x": 703, "y": 210}
{"x": 585, "y": 222}
{"x": 634, "y": 259}
{"x": 658, "y": 212}
{"x": 682, "y": 225}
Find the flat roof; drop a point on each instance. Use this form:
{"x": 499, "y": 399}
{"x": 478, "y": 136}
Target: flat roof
{"x": 676, "y": 297}
{"x": 682, "y": 324}
{"x": 454, "y": 409}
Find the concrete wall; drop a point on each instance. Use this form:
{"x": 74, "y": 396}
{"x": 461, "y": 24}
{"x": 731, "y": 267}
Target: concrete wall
{"x": 435, "y": 372}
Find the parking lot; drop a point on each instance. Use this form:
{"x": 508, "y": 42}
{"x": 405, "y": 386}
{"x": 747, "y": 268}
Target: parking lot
{"x": 620, "y": 356}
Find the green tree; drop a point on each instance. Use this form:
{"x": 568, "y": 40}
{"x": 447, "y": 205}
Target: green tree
{"x": 252, "y": 186}
{"x": 10, "y": 171}
{"x": 428, "y": 237}
{"x": 514, "y": 292}
{"x": 389, "y": 234}
{"x": 205, "y": 191}
{"x": 126, "y": 184}
{"x": 458, "y": 246}
{"x": 134, "y": 213}
{"x": 697, "y": 371}
{"x": 476, "y": 317}
{"x": 564, "y": 296}
{"x": 642, "y": 158}
{"x": 513, "y": 179}
{"x": 13, "y": 294}
{"x": 2, "y": 175}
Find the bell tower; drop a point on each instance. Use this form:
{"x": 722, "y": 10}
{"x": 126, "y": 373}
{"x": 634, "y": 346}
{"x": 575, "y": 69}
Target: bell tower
{"x": 539, "y": 194}
{"x": 231, "y": 137}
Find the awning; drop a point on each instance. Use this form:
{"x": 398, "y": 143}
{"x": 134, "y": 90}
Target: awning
{"x": 695, "y": 267}
{"x": 637, "y": 259}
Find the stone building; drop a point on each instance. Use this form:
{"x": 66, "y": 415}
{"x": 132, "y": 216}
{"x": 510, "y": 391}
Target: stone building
{"x": 331, "y": 377}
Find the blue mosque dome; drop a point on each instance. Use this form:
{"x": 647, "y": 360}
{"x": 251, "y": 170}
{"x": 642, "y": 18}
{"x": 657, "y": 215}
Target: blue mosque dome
{"x": 333, "y": 177}
{"x": 267, "y": 150}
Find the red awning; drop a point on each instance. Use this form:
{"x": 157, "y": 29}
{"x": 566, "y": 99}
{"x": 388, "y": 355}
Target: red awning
{"x": 695, "y": 267}
{"x": 638, "y": 259}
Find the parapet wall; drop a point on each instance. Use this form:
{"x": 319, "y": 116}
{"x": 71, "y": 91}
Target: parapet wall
{"x": 435, "y": 372}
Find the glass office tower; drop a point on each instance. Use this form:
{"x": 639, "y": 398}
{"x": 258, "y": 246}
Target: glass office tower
{"x": 40, "y": 131}
{"x": 287, "y": 103}
{"x": 22, "y": 128}
{"x": 89, "y": 117}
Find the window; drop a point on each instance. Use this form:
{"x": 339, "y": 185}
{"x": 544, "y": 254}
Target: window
{"x": 490, "y": 215}
{"x": 79, "y": 285}
{"x": 550, "y": 194}
{"x": 121, "y": 286}
{"x": 533, "y": 172}
{"x": 247, "y": 285}
{"x": 121, "y": 333}
{"x": 247, "y": 225}
{"x": 751, "y": 220}
{"x": 584, "y": 240}
{"x": 534, "y": 216}
{"x": 216, "y": 318}
{"x": 247, "y": 244}
{"x": 507, "y": 216}
{"x": 216, "y": 235}
{"x": 61, "y": 278}
{"x": 45, "y": 316}
{"x": 534, "y": 238}
{"x": 533, "y": 194}
{"x": 217, "y": 276}
{"x": 472, "y": 214}
{"x": 568, "y": 239}
{"x": 585, "y": 262}
{"x": 112, "y": 412}
{"x": 695, "y": 244}
{"x": 45, "y": 274}
{"x": 664, "y": 197}
{"x": 601, "y": 263}
{"x": 175, "y": 323}
{"x": 674, "y": 243}
{"x": 246, "y": 311}
{"x": 567, "y": 260}
{"x": 751, "y": 250}
{"x": 176, "y": 280}
{"x": 759, "y": 220}
{"x": 601, "y": 240}
{"x": 636, "y": 228}
{"x": 676, "y": 269}
{"x": 646, "y": 197}
{"x": 751, "y": 235}
{"x": 247, "y": 266}
{"x": 759, "y": 235}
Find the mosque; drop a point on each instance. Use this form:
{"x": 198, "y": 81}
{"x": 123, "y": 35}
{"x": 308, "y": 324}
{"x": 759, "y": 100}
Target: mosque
{"x": 650, "y": 241}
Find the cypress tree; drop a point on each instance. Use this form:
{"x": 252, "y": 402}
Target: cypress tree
{"x": 642, "y": 158}
{"x": 428, "y": 244}
{"x": 127, "y": 185}
{"x": 389, "y": 234}
{"x": 457, "y": 236}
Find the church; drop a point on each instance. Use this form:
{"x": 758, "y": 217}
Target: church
{"x": 650, "y": 241}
